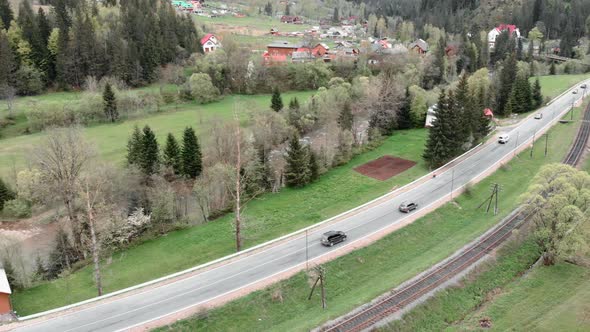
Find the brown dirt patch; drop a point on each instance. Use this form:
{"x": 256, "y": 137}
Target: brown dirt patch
{"x": 385, "y": 167}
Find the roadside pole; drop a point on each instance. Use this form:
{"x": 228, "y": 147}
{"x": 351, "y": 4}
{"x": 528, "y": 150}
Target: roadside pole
{"x": 306, "y": 252}
{"x": 452, "y": 182}
{"x": 546, "y": 141}
{"x": 533, "y": 144}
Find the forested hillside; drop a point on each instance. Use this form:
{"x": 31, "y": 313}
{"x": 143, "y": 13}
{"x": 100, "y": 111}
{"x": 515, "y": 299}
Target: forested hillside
{"x": 557, "y": 17}
{"x": 61, "y": 45}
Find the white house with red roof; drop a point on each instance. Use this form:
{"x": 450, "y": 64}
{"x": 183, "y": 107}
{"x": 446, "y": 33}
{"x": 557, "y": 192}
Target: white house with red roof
{"x": 494, "y": 33}
{"x": 210, "y": 43}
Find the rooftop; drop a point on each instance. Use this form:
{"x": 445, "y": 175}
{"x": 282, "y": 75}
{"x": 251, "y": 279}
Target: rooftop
{"x": 283, "y": 44}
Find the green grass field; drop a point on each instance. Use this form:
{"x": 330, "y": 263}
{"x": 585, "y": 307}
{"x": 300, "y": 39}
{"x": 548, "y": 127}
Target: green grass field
{"x": 359, "y": 277}
{"x": 253, "y": 23}
{"x": 267, "y": 217}
{"x": 551, "y": 298}
{"x": 552, "y": 86}
{"x": 111, "y": 139}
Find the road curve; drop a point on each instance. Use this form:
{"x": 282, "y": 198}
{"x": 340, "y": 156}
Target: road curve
{"x": 140, "y": 308}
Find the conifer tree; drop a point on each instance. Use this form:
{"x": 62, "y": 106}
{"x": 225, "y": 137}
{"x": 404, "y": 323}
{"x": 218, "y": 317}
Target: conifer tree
{"x": 149, "y": 158}
{"x": 521, "y": 100}
{"x": 192, "y": 163}
{"x": 345, "y": 120}
{"x": 440, "y": 145}
{"x": 439, "y": 61}
{"x": 276, "y": 100}
{"x": 404, "y": 118}
{"x": 6, "y": 194}
{"x": 507, "y": 80}
{"x": 171, "y": 155}
{"x": 482, "y": 128}
{"x": 6, "y": 14}
{"x": 314, "y": 166}
{"x": 297, "y": 170}
{"x": 463, "y": 110}
{"x": 294, "y": 104}
{"x": 134, "y": 147}
{"x": 537, "y": 94}
{"x": 552, "y": 70}
{"x": 110, "y": 103}
{"x": 7, "y": 62}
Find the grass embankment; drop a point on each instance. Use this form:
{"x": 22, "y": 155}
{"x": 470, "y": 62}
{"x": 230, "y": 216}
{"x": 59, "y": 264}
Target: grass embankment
{"x": 553, "y": 85}
{"x": 111, "y": 139}
{"x": 359, "y": 277}
{"x": 553, "y": 298}
{"x": 268, "y": 217}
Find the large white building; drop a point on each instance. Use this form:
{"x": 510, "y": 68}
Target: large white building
{"x": 494, "y": 33}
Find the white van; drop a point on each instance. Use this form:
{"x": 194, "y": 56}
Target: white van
{"x": 503, "y": 138}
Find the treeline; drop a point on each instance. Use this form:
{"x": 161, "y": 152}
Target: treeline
{"x": 556, "y": 18}
{"x": 79, "y": 39}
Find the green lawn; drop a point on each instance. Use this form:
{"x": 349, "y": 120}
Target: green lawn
{"x": 255, "y": 23}
{"x": 359, "y": 277}
{"x": 266, "y": 218}
{"x": 553, "y": 86}
{"x": 551, "y": 298}
{"x": 111, "y": 139}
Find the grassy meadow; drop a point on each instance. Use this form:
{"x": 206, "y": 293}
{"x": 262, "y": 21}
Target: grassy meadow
{"x": 111, "y": 139}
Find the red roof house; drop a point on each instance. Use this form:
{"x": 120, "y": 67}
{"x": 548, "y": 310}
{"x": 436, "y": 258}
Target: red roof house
{"x": 210, "y": 43}
{"x": 5, "y": 292}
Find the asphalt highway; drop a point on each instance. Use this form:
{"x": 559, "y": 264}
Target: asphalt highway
{"x": 134, "y": 310}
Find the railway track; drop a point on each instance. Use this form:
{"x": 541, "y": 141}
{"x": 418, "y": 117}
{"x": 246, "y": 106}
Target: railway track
{"x": 575, "y": 153}
{"x": 407, "y": 294}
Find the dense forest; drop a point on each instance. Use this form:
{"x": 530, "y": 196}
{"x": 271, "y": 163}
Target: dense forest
{"x": 78, "y": 39}
{"x": 555, "y": 18}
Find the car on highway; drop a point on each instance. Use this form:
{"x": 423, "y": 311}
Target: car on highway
{"x": 408, "y": 207}
{"x": 538, "y": 116}
{"x": 583, "y": 86}
{"x": 503, "y": 138}
{"x": 575, "y": 92}
{"x": 333, "y": 237}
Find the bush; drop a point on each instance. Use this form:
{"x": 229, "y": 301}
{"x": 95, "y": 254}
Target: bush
{"x": 202, "y": 89}
{"x": 17, "y": 208}
{"x": 29, "y": 81}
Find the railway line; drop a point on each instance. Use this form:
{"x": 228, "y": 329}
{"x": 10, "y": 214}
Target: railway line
{"x": 398, "y": 299}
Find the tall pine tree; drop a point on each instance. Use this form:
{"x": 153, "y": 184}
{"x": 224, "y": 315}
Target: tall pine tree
{"x": 404, "y": 117}
{"x": 440, "y": 143}
{"x": 134, "y": 147}
{"x": 507, "y": 80}
{"x": 192, "y": 163}
{"x": 6, "y": 14}
{"x": 297, "y": 172}
{"x": 172, "y": 157}
{"x": 110, "y": 103}
{"x": 149, "y": 158}
{"x": 537, "y": 94}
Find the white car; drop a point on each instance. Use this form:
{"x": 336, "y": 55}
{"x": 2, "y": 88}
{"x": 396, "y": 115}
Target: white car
{"x": 538, "y": 116}
{"x": 503, "y": 139}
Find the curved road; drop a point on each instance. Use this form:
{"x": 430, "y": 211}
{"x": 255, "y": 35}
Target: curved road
{"x": 137, "y": 309}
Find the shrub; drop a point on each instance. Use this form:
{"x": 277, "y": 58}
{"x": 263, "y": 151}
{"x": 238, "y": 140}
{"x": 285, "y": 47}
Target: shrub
{"x": 17, "y": 208}
{"x": 202, "y": 89}
{"x": 29, "y": 81}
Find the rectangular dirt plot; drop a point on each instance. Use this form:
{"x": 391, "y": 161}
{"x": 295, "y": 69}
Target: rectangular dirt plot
{"x": 385, "y": 167}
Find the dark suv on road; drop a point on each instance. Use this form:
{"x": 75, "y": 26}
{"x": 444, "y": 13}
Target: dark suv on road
{"x": 333, "y": 237}
{"x": 408, "y": 207}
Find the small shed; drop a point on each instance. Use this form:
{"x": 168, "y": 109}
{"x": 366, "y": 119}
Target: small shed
{"x": 5, "y": 307}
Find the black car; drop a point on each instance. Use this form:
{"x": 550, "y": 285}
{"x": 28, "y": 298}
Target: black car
{"x": 408, "y": 207}
{"x": 333, "y": 237}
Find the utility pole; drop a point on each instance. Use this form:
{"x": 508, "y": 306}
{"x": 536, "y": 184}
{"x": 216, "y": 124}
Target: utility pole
{"x": 452, "y": 183}
{"x": 516, "y": 143}
{"x": 546, "y": 142}
{"x": 306, "y": 252}
{"x": 321, "y": 278}
{"x": 492, "y": 198}
{"x": 533, "y": 145}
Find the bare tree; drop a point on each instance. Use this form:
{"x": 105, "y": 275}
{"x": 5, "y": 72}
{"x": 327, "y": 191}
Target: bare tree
{"x": 8, "y": 93}
{"x": 61, "y": 158}
{"x": 96, "y": 190}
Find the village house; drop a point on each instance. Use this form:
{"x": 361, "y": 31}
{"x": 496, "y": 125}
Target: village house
{"x": 419, "y": 46}
{"x": 495, "y": 32}
{"x": 291, "y": 19}
{"x": 5, "y": 307}
{"x": 210, "y": 43}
